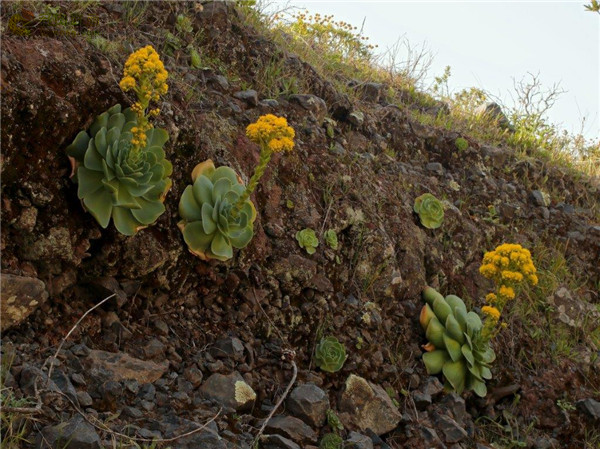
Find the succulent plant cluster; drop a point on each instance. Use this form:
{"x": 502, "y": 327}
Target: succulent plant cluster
{"x": 308, "y": 240}
{"x": 113, "y": 182}
{"x": 331, "y": 441}
{"x": 209, "y": 227}
{"x": 330, "y": 354}
{"x": 456, "y": 347}
{"x": 430, "y": 210}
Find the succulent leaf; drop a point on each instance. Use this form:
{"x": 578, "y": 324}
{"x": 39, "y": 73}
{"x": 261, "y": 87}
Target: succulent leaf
{"x": 430, "y": 295}
{"x": 435, "y": 332}
{"x": 208, "y": 228}
{"x": 426, "y": 315}
{"x": 453, "y": 347}
{"x": 441, "y": 309}
{"x": 454, "y": 329}
{"x": 434, "y": 360}
{"x": 455, "y": 373}
{"x": 113, "y": 186}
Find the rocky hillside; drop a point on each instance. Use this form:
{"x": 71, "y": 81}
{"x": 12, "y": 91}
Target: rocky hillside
{"x": 182, "y": 342}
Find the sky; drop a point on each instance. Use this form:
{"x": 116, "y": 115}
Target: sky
{"x": 488, "y": 44}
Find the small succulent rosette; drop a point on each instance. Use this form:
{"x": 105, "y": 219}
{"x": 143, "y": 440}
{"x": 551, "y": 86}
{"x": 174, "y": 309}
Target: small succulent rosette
{"x": 456, "y": 347}
{"x": 113, "y": 182}
{"x": 210, "y": 224}
{"x": 430, "y": 210}
{"x": 330, "y": 354}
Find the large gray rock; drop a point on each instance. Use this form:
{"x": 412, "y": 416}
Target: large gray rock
{"x": 589, "y": 407}
{"x": 309, "y": 403}
{"x": 572, "y": 311}
{"x": 358, "y": 441}
{"x": 122, "y": 366}
{"x": 311, "y": 103}
{"x": 493, "y": 111}
{"x": 368, "y": 406}
{"x": 229, "y": 390}
{"x": 293, "y": 428}
{"x": 228, "y": 347}
{"x": 73, "y": 434}
{"x": 249, "y": 96}
{"x": 19, "y": 297}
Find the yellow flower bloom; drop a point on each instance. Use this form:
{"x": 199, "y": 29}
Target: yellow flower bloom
{"x": 533, "y": 279}
{"x": 491, "y": 298}
{"x": 506, "y": 292}
{"x": 145, "y": 71}
{"x": 513, "y": 276}
{"x": 491, "y": 311}
{"x": 272, "y": 132}
{"x": 127, "y": 83}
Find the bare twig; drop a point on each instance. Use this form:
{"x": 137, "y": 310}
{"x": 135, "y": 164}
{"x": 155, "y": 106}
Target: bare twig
{"x": 103, "y": 427}
{"x": 290, "y": 355}
{"x": 69, "y": 334}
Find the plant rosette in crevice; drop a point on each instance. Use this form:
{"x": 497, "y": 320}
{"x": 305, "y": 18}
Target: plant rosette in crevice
{"x": 209, "y": 228}
{"x": 430, "y": 211}
{"x": 456, "y": 347}
{"x": 112, "y": 183}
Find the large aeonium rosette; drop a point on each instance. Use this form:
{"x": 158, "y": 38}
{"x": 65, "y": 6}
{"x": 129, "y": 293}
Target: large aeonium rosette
{"x": 209, "y": 228}
{"x": 113, "y": 182}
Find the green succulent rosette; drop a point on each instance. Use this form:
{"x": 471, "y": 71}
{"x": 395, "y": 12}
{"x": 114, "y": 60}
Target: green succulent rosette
{"x": 456, "y": 348}
{"x": 209, "y": 229}
{"x": 430, "y": 210}
{"x": 112, "y": 182}
{"x": 330, "y": 354}
{"x": 331, "y": 441}
{"x": 308, "y": 240}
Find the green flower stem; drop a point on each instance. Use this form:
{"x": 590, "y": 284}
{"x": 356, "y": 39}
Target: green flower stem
{"x": 265, "y": 157}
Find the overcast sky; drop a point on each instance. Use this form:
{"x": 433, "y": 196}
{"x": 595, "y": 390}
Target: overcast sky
{"x": 488, "y": 43}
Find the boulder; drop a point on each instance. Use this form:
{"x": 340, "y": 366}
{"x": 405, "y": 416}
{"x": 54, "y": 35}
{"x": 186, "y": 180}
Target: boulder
{"x": 121, "y": 366}
{"x": 368, "y": 406}
{"x": 73, "y": 434}
{"x": 309, "y": 403}
{"x": 19, "y": 297}
{"x": 229, "y": 390}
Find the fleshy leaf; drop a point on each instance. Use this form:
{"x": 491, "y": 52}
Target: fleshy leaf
{"x": 435, "y": 360}
{"x": 455, "y": 373}
{"x": 453, "y": 348}
{"x": 189, "y": 209}
{"x": 435, "y": 333}
{"x": 124, "y": 221}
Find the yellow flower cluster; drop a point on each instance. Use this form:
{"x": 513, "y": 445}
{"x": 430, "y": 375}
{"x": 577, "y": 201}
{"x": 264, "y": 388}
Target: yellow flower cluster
{"x": 139, "y": 135}
{"x": 145, "y": 73}
{"x": 272, "y": 132}
{"x": 492, "y": 312}
{"x": 510, "y": 263}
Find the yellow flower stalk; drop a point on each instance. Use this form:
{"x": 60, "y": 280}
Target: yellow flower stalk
{"x": 507, "y": 266}
{"x": 273, "y": 135}
{"x": 145, "y": 75}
